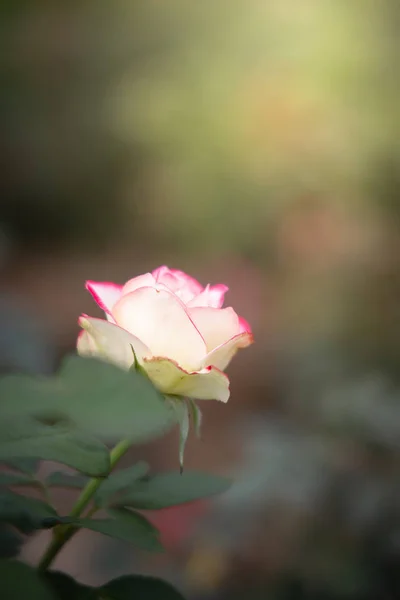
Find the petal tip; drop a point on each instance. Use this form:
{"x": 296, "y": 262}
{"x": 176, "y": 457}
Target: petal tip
{"x": 104, "y": 293}
{"x": 245, "y": 326}
{"x": 82, "y": 320}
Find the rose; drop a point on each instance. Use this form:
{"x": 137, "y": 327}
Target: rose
{"x": 176, "y": 330}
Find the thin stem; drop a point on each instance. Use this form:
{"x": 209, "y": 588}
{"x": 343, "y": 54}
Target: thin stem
{"x": 63, "y": 533}
{"x": 91, "y": 511}
{"x": 46, "y": 494}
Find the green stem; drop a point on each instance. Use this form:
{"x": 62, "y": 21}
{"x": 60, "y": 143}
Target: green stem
{"x": 63, "y": 533}
{"x": 91, "y": 511}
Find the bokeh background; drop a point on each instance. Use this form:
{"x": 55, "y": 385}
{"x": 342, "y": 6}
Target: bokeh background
{"x": 250, "y": 142}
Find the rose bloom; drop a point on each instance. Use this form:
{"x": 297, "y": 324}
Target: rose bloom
{"x": 177, "y": 329}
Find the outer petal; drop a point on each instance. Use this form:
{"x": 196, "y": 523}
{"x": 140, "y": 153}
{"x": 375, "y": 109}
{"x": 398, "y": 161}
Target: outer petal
{"x": 146, "y": 280}
{"x": 208, "y": 384}
{"x": 86, "y": 344}
{"x": 106, "y": 340}
{"x": 212, "y": 296}
{"x": 244, "y": 325}
{"x": 220, "y": 357}
{"x": 216, "y": 325}
{"x": 106, "y": 294}
{"x": 160, "y": 320}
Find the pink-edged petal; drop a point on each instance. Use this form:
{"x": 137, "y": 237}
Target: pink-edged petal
{"x": 103, "y": 339}
{"x": 160, "y": 271}
{"x": 212, "y": 296}
{"x": 190, "y": 283}
{"x": 146, "y": 280}
{"x": 160, "y": 320}
{"x": 86, "y": 345}
{"x": 208, "y": 384}
{"x": 164, "y": 276}
{"x": 184, "y": 286}
{"x": 216, "y": 325}
{"x": 106, "y": 294}
{"x": 220, "y": 357}
{"x": 244, "y": 326}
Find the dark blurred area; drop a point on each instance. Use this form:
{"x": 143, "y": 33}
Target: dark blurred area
{"x": 251, "y": 143}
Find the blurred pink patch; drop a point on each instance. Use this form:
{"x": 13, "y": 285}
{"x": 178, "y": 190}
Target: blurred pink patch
{"x": 176, "y": 524}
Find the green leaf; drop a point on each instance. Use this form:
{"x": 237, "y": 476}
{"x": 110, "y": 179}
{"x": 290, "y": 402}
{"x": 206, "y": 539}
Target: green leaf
{"x": 136, "y": 366}
{"x": 95, "y": 396}
{"x": 21, "y": 582}
{"x": 170, "y": 489}
{"x": 66, "y": 588}
{"x": 119, "y": 481}
{"x": 197, "y": 416}
{"x": 182, "y": 414}
{"x": 26, "y": 436}
{"x": 10, "y": 541}
{"x": 125, "y": 404}
{"x": 29, "y": 466}
{"x": 141, "y": 587}
{"x": 7, "y": 479}
{"x": 127, "y": 526}
{"x": 67, "y": 480}
{"x": 24, "y": 513}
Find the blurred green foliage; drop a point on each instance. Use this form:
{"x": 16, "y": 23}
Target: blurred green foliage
{"x": 172, "y": 115}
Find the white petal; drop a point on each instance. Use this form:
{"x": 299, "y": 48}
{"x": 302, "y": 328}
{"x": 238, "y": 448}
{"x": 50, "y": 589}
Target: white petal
{"x": 220, "y": 357}
{"x": 160, "y": 320}
{"x": 86, "y": 345}
{"x": 146, "y": 280}
{"x": 178, "y": 279}
{"x": 208, "y": 384}
{"x": 212, "y": 296}
{"x": 178, "y": 282}
{"x": 105, "y": 293}
{"x": 105, "y": 340}
{"x": 216, "y": 325}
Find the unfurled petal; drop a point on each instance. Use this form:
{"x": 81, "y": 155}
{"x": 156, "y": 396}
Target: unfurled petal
{"x": 222, "y": 356}
{"x": 86, "y": 344}
{"x": 160, "y": 320}
{"x": 208, "y": 384}
{"x": 212, "y": 296}
{"x": 105, "y": 293}
{"x": 146, "y": 280}
{"x": 102, "y": 339}
{"x": 216, "y": 325}
{"x": 244, "y": 325}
